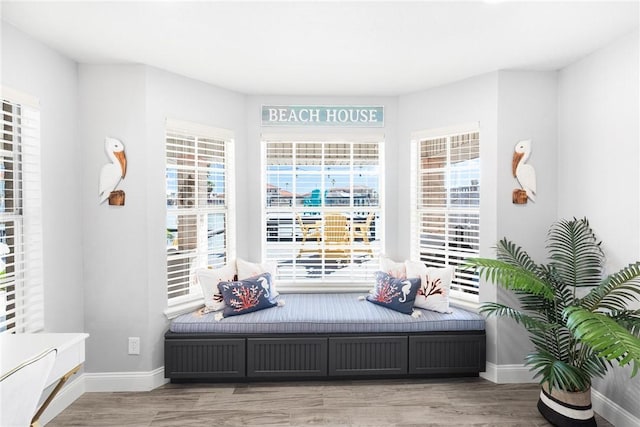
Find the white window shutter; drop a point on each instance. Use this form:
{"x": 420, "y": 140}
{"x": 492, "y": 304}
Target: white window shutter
{"x": 21, "y": 271}
{"x": 323, "y": 211}
{"x": 446, "y": 203}
{"x": 199, "y": 205}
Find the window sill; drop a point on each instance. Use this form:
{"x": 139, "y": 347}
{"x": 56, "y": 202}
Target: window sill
{"x": 464, "y": 303}
{"x": 182, "y": 307}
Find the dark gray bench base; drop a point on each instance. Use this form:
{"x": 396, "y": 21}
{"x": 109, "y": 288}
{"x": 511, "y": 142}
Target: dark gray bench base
{"x": 216, "y": 357}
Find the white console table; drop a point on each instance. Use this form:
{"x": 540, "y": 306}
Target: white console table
{"x": 17, "y": 348}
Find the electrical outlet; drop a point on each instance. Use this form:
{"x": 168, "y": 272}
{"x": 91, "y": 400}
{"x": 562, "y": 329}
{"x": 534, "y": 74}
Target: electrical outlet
{"x": 134, "y": 345}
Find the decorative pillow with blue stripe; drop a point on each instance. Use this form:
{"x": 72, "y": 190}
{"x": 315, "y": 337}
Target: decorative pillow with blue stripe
{"x": 246, "y": 296}
{"x": 394, "y": 293}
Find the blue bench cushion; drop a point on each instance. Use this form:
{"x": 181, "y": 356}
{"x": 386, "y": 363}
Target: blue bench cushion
{"x": 327, "y": 313}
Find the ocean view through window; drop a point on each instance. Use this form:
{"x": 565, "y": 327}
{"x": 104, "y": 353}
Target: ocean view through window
{"x": 323, "y": 211}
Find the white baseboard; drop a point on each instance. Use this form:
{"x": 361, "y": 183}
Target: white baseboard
{"x": 611, "y": 411}
{"x": 125, "y": 381}
{"x": 104, "y": 382}
{"x": 507, "y": 374}
{"x": 72, "y": 391}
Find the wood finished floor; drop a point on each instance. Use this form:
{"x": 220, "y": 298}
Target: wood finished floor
{"x": 416, "y": 402}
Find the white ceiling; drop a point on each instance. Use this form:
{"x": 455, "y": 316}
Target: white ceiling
{"x": 326, "y": 48}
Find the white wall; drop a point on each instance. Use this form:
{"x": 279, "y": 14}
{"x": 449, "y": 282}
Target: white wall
{"x": 249, "y": 190}
{"x": 124, "y": 247}
{"x": 509, "y": 106}
{"x": 467, "y": 101}
{"x": 526, "y": 110}
{"x": 598, "y": 173}
{"x": 34, "y": 69}
{"x": 175, "y": 97}
{"x": 112, "y": 103}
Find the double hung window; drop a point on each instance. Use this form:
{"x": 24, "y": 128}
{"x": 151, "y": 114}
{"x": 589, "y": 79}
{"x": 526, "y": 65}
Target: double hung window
{"x": 199, "y": 227}
{"x": 445, "y": 226}
{"x": 21, "y": 284}
{"x": 323, "y": 211}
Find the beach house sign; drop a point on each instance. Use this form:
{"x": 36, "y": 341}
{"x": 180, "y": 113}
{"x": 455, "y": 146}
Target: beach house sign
{"x": 322, "y": 115}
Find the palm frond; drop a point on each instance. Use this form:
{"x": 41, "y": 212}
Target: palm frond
{"x": 556, "y": 340}
{"x": 616, "y": 291}
{"x": 501, "y": 310}
{"x": 514, "y": 255}
{"x": 563, "y": 293}
{"x": 592, "y": 364}
{"x": 558, "y": 373}
{"x": 510, "y": 277}
{"x": 575, "y": 252}
{"x": 538, "y": 304}
{"x": 628, "y": 319}
{"x": 608, "y": 339}
{"x": 575, "y": 338}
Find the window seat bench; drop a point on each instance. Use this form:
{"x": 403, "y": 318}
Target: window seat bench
{"x": 329, "y": 335}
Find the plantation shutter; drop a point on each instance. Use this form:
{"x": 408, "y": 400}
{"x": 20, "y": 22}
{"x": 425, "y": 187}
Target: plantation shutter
{"x": 446, "y": 202}
{"x": 308, "y": 185}
{"x": 21, "y": 275}
{"x": 198, "y": 204}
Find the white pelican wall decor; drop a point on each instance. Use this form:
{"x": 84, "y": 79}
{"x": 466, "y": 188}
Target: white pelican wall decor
{"x": 524, "y": 173}
{"x": 112, "y": 173}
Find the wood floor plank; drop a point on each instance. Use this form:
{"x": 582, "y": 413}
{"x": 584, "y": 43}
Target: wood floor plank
{"x": 388, "y": 403}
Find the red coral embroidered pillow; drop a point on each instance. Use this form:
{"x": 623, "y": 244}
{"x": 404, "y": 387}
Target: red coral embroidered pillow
{"x": 209, "y": 279}
{"x": 434, "y": 286}
{"x": 394, "y": 293}
{"x": 246, "y": 296}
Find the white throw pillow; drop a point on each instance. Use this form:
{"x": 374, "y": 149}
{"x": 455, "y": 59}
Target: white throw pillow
{"x": 248, "y": 269}
{"x": 434, "y": 285}
{"x": 209, "y": 279}
{"x": 393, "y": 268}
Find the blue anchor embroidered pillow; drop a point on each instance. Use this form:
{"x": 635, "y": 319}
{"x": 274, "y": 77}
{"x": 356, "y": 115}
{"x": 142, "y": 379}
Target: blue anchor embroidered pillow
{"x": 246, "y": 296}
{"x": 394, "y": 293}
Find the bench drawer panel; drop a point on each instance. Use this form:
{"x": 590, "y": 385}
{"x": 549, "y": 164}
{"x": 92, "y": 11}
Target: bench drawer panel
{"x": 286, "y": 357}
{"x": 436, "y": 354}
{"x": 195, "y": 358}
{"x": 386, "y": 355}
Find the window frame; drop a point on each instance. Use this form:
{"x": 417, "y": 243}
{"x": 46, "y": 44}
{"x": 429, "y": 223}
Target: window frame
{"x": 26, "y": 214}
{"x": 321, "y": 285}
{"x": 193, "y": 299}
{"x": 466, "y": 299}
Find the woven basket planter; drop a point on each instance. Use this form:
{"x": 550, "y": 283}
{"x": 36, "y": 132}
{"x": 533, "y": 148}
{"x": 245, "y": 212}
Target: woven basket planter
{"x": 566, "y": 409}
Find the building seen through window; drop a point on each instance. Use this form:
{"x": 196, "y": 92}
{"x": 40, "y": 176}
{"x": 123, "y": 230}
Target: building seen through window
{"x": 322, "y": 210}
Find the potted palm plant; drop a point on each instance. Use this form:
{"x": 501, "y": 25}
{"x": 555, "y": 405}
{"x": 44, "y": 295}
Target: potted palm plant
{"x": 579, "y": 321}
